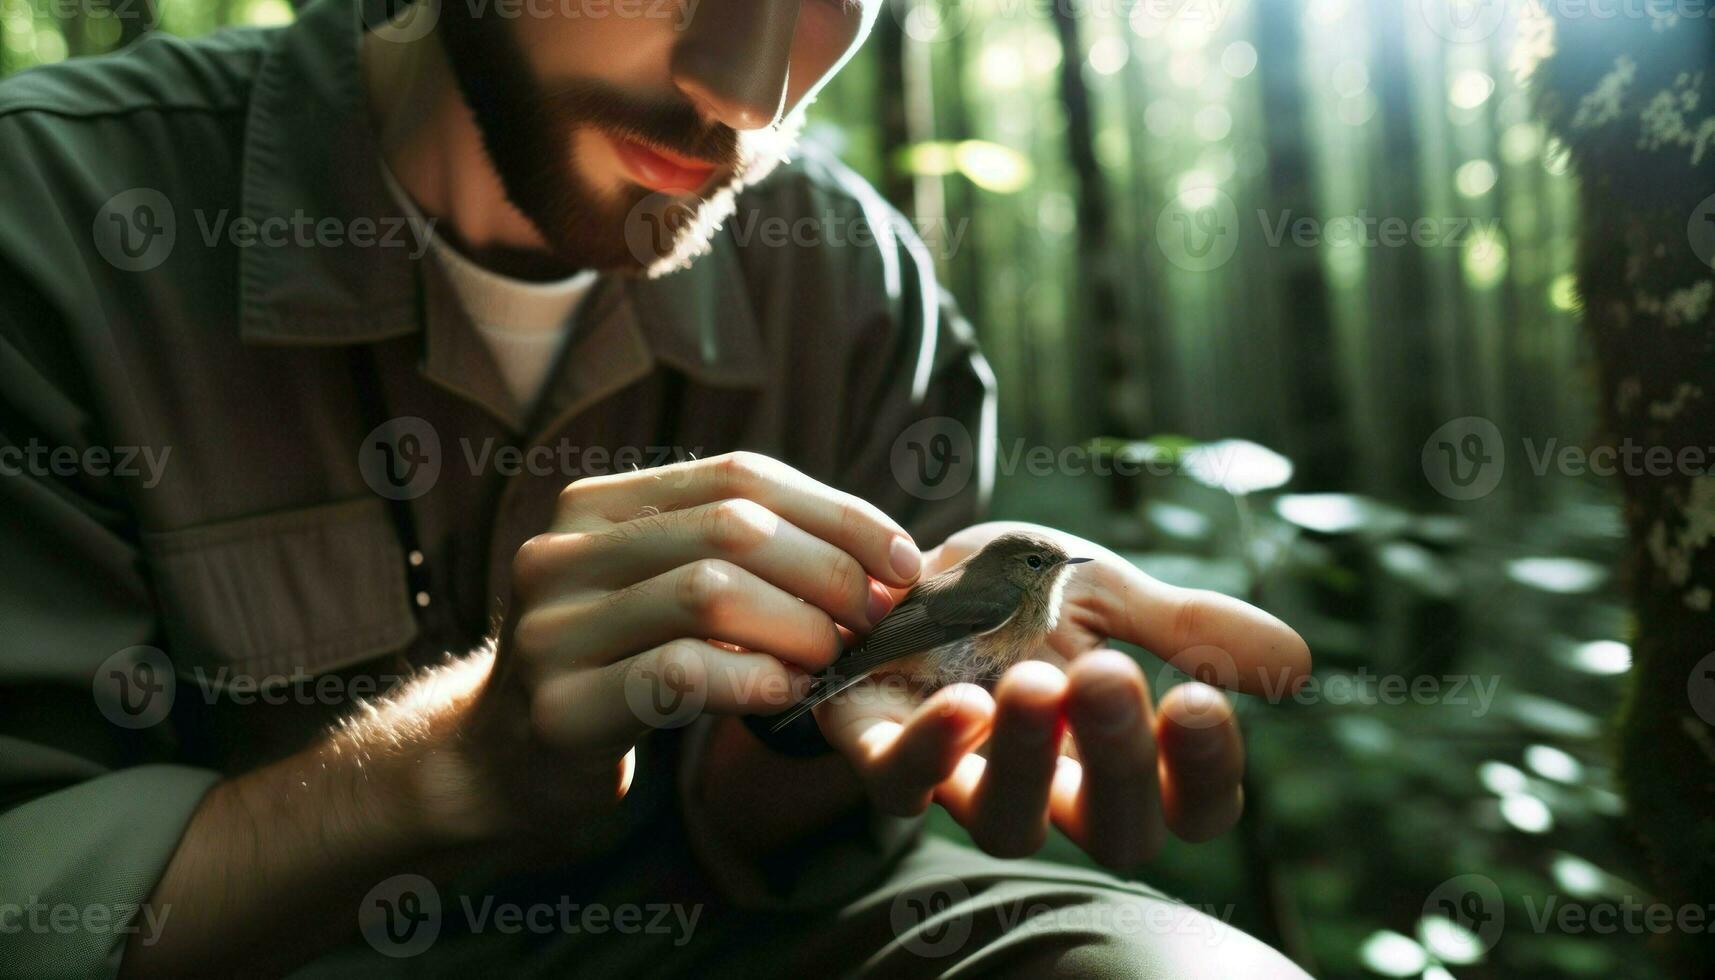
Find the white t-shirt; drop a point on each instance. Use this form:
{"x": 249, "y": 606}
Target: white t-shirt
{"x": 524, "y": 323}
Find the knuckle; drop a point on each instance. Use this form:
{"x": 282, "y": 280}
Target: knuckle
{"x": 537, "y": 557}
{"x": 681, "y": 666}
{"x": 705, "y": 585}
{"x": 1190, "y": 616}
{"x": 574, "y": 495}
{"x": 854, "y": 523}
{"x": 533, "y": 636}
{"x": 737, "y": 525}
{"x": 822, "y": 638}
{"x": 847, "y": 579}
{"x": 743, "y": 473}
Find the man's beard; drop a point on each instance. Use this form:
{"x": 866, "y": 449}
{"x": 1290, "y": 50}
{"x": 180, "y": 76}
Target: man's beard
{"x": 527, "y": 131}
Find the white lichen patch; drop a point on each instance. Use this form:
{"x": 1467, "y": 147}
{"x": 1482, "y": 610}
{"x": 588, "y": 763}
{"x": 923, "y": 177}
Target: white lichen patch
{"x": 1672, "y": 551}
{"x": 1680, "y": 307}
{"x": 1602, "y": 105}
{"x": 1669, "y": 119}
{"x": 1666, "y": 409}
{"x": 1535, "y": 42}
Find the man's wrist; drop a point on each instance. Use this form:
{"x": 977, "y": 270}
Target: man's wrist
{"x": 416, "y": 770}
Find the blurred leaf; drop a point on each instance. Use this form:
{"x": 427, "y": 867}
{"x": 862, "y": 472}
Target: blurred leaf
{"x": 1564, "y": 576}
{"x": 991, "y": 166}
{"x": 1237, "y": 466}
{"x": 1340, "y": 513}
{"x": 1392, "y": 955}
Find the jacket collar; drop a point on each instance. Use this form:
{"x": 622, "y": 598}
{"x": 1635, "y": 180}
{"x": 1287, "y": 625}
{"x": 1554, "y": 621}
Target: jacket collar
{"x": 311, "y": 153}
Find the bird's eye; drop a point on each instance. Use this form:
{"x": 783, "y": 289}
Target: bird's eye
{"x": 1034, "y": 561}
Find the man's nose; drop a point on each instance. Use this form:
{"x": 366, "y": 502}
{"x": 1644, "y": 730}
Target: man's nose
{"x": 734, "y": 59}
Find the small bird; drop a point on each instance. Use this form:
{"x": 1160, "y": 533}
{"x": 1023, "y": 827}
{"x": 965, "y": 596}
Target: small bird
{"x": 969, "y": 623}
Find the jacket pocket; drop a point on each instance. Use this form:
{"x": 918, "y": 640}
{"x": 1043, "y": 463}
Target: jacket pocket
{"x": 284, "y": 595}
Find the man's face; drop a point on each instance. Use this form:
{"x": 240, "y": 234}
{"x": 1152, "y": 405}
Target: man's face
{"x": 623, "y": 129}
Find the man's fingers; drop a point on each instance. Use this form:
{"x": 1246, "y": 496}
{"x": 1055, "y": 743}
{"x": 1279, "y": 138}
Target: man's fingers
{"x": 1114, "y": 813}
{"x": 902, "y": 763}
{"x": 1010, "y": 817}
{"x": 1213, "y": 637}
{"x": 666, "y": 687}
{"x": 709, "y": 599}
{"x": 738, "y": 530}
{"x": 1202, "y": 762}
{"x": 847, "y": 522}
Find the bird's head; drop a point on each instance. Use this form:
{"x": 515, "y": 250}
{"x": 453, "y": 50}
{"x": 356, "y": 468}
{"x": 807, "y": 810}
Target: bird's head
{"x": 1026, "y": 560}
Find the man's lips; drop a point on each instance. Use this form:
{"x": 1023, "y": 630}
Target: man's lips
{"x": 661, "y": 170}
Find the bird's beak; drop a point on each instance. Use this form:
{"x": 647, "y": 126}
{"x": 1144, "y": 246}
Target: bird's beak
{"x": 1076, "y": 561}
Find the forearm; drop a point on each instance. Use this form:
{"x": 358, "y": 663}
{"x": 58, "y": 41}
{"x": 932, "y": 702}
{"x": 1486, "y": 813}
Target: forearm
{"x": 289, "y": 850}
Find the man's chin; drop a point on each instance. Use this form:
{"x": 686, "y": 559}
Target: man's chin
{"x": 667, "y": 233}
{"x": 632, "y": 230}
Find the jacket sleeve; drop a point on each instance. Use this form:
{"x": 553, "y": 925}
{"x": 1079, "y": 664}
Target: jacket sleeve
{"x": 91, "y": 808}
{"x": 920, "y": 417}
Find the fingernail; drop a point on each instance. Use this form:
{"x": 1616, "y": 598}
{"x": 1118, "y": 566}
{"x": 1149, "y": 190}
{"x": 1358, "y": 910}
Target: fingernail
{"x": 907, "y": 560}
{"x": 879, "y": 603}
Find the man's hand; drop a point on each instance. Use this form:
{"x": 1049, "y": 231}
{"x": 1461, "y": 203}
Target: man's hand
{"x": 617, "y": 604}
{"x": 1000, "y": 763}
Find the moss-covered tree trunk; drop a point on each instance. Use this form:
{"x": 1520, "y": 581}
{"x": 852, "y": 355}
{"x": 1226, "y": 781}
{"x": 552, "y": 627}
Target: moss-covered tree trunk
{"x": 1634, "y": 100}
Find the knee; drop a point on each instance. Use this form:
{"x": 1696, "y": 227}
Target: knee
{"x": 1127, "y": 935}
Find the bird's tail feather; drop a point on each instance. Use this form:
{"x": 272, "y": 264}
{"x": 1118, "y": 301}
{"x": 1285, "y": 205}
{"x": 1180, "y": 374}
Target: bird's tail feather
{"x": 822, "y": 690}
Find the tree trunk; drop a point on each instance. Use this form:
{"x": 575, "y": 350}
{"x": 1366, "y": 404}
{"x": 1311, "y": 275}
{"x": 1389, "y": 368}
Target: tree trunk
{"x": 1632, "y": 99}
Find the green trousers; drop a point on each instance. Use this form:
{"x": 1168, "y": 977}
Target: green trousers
{"x": 943, "y": 910}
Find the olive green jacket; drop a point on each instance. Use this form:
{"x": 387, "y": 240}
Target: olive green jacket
{"x": 249, "y": 443}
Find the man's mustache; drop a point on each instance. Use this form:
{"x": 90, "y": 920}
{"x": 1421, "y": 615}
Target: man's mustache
{"x": 673, "y": 126}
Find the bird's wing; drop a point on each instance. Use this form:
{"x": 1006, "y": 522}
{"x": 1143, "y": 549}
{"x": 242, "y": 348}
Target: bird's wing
{"x": 925, "y": 619}
{"x": 931, "y": 615}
